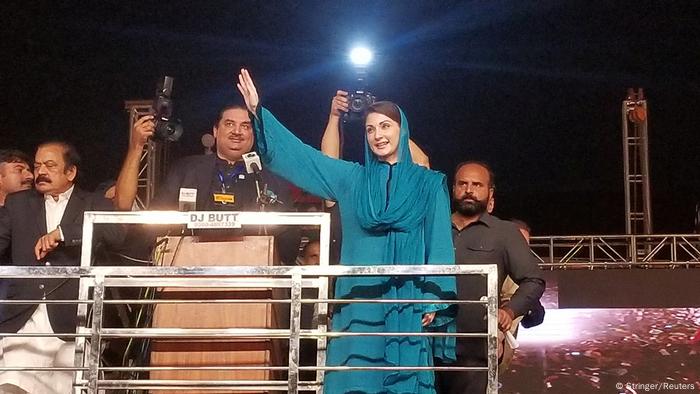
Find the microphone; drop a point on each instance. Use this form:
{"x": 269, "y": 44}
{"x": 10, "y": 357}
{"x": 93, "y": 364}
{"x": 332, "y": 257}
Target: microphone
{"x": 254, "y": 166}
{"x": 252, "y": 163}
{"x": 271, "y": 197}
{"x": 187, "y": 200}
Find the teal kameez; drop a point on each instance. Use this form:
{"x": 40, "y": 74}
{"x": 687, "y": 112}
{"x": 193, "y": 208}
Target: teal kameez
{"x": 391, "y": 215}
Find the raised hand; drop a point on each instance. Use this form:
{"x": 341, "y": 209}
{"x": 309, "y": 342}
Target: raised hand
{"x": 340, "y": 103}
{"x": 247, "y": 88}
{"x": 141, "y": 131}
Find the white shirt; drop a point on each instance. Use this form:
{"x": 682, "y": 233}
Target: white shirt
{"x": 55, "y": 209}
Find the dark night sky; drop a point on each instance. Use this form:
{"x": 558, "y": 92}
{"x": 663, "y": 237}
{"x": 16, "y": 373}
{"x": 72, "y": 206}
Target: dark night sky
{"x": 534, "y": 88}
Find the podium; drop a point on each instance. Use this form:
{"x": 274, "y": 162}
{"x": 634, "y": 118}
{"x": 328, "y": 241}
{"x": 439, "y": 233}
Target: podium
{"x": 213, "y": 352}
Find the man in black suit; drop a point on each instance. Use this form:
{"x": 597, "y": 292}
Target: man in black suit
{"x": 220, "y": 179}
{"x": 43, "y": 226}
{"x": 15, "y": 175}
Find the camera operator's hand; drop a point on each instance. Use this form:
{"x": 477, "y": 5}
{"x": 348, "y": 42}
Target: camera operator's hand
{"x": 127, "y": 182}
{"x": 340, "y": 103}
{"x": 247, "y": 88}
{"x": 141, "y": 131}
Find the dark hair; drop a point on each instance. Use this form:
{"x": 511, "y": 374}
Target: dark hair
{"x": 492, "y": 176}
{"x": 386, "y": 108}
{"x": 70, "y": 155}
{"x": 521, "y": 225}
{"x": 306, "y": 247}
{"x": 15, "y": 156}
{"x": 227, "y": 107}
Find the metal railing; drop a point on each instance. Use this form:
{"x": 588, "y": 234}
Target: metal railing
{"x": 617, "y": 251}
{"x": 92, "y": 377}
{"x": 91, "y": 335}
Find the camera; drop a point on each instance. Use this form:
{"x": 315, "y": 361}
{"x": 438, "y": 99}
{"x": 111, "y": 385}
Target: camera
{"x": 167, "y": 128}
{"x": 360, "y": 100}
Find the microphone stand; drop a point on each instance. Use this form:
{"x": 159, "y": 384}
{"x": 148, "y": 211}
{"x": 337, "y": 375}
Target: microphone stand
{"x": 261, "y": 199}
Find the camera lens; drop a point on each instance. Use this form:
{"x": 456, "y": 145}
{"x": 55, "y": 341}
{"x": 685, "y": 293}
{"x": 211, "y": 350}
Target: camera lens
{"x": 168, "y": 130}
{"x": 357, "y": 104}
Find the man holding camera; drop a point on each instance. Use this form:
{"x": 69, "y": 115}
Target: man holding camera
{"x": 219, "y": 181}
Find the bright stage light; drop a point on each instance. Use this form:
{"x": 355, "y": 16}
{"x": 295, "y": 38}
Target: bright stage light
{"x": 360, "y": 56}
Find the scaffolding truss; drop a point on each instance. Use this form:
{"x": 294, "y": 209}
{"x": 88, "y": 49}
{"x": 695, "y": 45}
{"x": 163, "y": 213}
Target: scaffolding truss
{"x": 635, "y": 148}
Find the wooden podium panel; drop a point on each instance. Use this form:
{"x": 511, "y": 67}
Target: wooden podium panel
{"x": 190, "y": 251}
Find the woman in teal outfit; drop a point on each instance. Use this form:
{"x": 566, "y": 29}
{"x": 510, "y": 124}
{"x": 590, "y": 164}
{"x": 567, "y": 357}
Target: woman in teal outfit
{"x": 393, "y": 212}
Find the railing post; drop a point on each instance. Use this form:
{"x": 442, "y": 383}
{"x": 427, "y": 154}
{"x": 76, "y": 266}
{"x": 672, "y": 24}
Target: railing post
{"x": 294, "y": 328}
{"x": 84, "y": 284}
{"x": 492, "y": 322}
{"x": 322, "y": 326}
{"x": 321, "y": 308}
{"x": 95, "y": 337}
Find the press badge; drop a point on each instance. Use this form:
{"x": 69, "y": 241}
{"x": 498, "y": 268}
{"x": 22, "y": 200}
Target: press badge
{"x": 224, "y": 198}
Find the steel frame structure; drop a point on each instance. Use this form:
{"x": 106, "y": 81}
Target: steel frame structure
{"x": 617, "y": 251}
{"x": 635, "y": 149}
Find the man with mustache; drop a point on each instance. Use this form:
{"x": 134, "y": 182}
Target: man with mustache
{"x": 220, "y": 179}
{"x": 480, "y": 238}
{"x": 15, "y": 173}
{"x": 43, "y": 227}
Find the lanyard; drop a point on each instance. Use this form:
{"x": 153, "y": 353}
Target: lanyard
{"x": 237, "y": 170}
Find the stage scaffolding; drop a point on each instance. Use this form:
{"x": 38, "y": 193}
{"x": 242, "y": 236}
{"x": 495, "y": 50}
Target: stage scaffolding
{"x": 95, "y": 281}
{"x": 635, "y": 150}
{"x": 617, "y": 251}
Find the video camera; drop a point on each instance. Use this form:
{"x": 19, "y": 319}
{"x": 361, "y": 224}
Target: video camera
{"x": 167, "y": 128}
